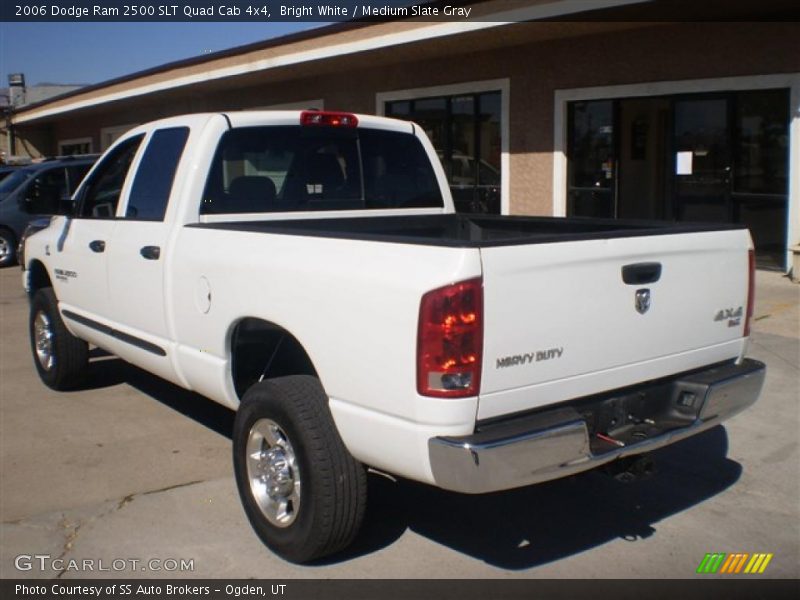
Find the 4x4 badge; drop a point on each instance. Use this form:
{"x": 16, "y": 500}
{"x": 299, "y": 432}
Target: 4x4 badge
{"x": 642, "y": 301}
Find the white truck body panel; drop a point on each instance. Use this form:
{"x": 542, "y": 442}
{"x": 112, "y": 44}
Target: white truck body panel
{"x": 565, "y": 308}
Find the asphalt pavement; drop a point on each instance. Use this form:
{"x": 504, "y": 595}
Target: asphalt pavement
{"x": 133, "y": 475}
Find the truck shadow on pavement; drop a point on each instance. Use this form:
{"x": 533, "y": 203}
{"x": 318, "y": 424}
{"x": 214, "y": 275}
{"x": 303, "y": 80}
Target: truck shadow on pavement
{"x": 523, "y": 528}
{"x": 517, "y": 529}
{"x": 106, "y": 370}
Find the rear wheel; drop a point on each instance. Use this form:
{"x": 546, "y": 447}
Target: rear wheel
{"x": 302, "y": 491}
{"x": 61, "y": 359}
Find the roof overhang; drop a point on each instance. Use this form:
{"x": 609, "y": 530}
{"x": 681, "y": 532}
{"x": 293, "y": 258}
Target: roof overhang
{"x": 332, "y": 42}
{"x": 369, "y": 44}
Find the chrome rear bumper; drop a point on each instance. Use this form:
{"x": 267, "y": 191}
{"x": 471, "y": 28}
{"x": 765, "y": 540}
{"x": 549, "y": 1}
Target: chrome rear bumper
{"x": 552, "y": 444}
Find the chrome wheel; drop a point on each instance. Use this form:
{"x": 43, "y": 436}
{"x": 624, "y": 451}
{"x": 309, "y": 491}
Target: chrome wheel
{"x": 5, "y": 248}
{"x": 43, "y": 338}
{"x": 273, "y": 472}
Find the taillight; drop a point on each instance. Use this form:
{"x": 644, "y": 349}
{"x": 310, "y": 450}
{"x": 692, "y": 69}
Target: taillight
{"x": 450, "y": 340}
{"x": 328, "y": 119}
{"x": 751, "y": 290}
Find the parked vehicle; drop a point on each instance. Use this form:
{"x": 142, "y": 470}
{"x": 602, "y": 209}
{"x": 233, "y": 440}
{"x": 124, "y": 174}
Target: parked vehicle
{"x": 308, "y": 271}
{"x": 28, "y": 190}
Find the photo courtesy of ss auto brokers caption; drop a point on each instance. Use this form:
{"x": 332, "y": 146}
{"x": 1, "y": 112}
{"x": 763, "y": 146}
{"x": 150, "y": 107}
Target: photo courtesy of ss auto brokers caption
{"x": 136, "y": 590}
{"x": 466, "y": 388}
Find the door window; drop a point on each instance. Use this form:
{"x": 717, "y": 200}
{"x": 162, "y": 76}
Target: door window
{"x": 102, "y": 191}
{"x": 49, "y": 185}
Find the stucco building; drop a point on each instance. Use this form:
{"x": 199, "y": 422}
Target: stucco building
{"x": 624, "y": 119}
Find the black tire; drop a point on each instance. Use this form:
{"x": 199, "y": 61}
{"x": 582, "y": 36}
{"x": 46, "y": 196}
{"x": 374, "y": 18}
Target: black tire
{"x": 70, "y": 355}
{"x": 332, "y": 484}
{"x": 8, "y": 248}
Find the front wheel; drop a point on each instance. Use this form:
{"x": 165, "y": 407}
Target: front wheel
{"x": 302, "y": 491}
{"x": 61, "y": 359}
{"x": 8, "y": 248}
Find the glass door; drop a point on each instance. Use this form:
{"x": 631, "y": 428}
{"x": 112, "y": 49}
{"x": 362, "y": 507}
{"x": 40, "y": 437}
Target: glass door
{"x": 702, "y": 164}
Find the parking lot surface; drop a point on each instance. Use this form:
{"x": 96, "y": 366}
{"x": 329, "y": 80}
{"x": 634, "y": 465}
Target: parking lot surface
{"x": 132, "y": 473}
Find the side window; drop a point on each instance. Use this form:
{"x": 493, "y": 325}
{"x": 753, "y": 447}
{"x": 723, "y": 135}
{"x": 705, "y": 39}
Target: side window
{"x": 49, "y": 184}
{"x": 153, "y": 183}
{"x": 102, "y": 192}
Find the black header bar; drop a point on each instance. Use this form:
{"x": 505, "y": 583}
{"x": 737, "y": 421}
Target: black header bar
{"x": 329, "y": 11}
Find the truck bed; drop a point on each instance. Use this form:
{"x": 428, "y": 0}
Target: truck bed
{"x": 468, "y": 231}
{"x": 615, "y": 304}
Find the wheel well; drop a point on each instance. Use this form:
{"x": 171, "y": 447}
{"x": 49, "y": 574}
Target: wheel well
{"x": 37, "y": 278}
{"x": 263, "y": 350}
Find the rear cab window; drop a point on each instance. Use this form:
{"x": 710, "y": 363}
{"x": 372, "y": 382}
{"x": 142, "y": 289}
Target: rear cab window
{"x": 295, "y": 169}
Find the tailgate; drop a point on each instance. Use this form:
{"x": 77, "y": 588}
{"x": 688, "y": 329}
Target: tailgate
{"x": 560, "y": 322}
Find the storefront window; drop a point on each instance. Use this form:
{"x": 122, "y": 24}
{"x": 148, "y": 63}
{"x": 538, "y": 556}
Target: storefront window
{"x": 714, "y": 157}
{"x": 75, "y": 147}
{"x": 432, "y": 115}
{"x": 465, "y": 131}
{"x": 762, "y": 153}
{"x": 761, "y": 170}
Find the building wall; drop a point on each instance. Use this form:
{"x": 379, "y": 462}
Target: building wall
{"x": 660, "y": 52}
{"x": 36, "y": 142}
{"x": 5, "y": 151}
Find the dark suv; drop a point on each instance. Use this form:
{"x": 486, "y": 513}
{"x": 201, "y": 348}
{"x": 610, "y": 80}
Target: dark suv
{"x": 28, "y": 188}
{"x": 6, "y": 170}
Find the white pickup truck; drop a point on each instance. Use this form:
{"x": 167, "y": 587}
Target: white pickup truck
{"x": 308, "y": 270}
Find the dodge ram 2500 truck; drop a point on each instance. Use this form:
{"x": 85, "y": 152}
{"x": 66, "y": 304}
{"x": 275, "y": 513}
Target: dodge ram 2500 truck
{"x": 308, "y": 270}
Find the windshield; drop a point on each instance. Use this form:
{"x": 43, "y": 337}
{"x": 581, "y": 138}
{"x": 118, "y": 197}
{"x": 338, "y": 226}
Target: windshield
{"x": 10, "y": 183}
{"x": 296, "y": 168}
